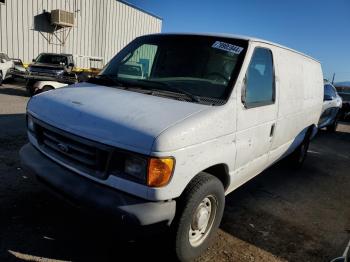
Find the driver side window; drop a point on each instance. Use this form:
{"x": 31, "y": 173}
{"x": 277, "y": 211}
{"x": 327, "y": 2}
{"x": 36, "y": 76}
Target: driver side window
{"x": 260, "y": 80}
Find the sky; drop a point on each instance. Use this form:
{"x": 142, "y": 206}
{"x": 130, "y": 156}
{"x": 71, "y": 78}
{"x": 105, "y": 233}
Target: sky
{"x": 319, "y": 28}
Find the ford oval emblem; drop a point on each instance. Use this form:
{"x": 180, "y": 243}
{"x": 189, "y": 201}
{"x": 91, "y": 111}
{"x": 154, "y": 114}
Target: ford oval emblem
{"x": 63, "y": 147}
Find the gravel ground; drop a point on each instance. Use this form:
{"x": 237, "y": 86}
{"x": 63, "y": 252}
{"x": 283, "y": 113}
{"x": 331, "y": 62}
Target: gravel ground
{"x": 281, "y": 215}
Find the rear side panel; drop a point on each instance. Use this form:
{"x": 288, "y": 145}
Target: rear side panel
{"x": 300, "y": 83}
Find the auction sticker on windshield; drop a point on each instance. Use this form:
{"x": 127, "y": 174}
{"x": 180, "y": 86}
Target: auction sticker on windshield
{"x": 228, "y": 47}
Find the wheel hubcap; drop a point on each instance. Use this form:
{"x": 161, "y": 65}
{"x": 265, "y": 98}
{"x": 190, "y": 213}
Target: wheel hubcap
{"x": 202, "y": 220}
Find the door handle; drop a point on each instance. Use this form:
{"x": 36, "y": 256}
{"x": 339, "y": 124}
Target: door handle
{"x": 272, "y": 131}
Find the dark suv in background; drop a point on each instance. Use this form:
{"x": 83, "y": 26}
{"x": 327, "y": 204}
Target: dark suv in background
{"x": 50, "y": 67}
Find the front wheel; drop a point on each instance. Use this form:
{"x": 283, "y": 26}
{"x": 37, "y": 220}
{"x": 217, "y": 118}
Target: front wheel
{"x": 1, "y": 78}
{"x": 200, "y": 211}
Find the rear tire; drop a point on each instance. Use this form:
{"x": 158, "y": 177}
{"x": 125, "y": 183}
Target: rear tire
{"x": 297, "y": 158}
{"x": 199, "y": 214}
{"x": 333, "y": 127}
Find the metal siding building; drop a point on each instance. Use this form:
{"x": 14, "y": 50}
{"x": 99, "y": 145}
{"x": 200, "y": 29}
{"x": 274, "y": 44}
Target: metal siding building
{"x": 101, "y": 28}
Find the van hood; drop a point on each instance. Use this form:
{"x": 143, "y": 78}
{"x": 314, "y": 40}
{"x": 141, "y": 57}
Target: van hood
{"x": 112, "y": 116}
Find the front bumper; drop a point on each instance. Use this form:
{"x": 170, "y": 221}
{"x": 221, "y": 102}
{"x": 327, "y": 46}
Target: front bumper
{"x": 88, "y": 193}
{"x": 17, "y": 73}
{"x": 67, "y": 79}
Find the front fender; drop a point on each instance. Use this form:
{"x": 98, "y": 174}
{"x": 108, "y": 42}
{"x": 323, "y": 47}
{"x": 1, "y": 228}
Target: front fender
{"x": 194, "y": 159}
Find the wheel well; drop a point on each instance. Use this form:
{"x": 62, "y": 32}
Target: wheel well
{"x": 47, "y": 87}
{"x": 220, "y": 171}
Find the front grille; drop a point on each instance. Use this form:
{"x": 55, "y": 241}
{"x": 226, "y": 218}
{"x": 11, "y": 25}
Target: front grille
{"x": 82, "y": 154}
{"x": 45, "y": 73}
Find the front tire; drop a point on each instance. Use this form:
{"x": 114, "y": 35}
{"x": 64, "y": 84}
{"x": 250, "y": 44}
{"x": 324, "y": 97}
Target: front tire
{"x": 30, "y": 87}
{"x": 1, "y": 78}
{"x": 200, "y": 212}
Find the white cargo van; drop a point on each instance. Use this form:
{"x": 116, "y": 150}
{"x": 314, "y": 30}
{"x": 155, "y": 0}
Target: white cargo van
{"x": 207, "y": 114}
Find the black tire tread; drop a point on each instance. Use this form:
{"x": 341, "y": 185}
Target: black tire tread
{"x": 333, "y": 127}
{"x": 195, "y": 186}
{"x": 293, "y": 157}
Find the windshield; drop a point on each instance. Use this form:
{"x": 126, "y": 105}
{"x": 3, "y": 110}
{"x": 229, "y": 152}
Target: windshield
{"x": 52, "y": 59}
{"x": 196, "y": 66}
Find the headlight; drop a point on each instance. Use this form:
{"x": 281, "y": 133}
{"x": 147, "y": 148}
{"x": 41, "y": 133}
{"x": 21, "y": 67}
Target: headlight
{"x": 136, "y": 167}
{"x": 30, "y": 124}
{"x": 154, "y": 172}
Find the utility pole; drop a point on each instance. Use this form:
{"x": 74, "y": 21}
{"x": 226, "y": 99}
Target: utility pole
{"x": 333, "y": 78}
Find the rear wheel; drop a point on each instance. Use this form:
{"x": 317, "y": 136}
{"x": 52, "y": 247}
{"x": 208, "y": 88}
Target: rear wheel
{"x": 1, "y": 78}
{"x": 199, "y": 215}
{"x": 297, "y": 158}
{"x": 333, "y": 127}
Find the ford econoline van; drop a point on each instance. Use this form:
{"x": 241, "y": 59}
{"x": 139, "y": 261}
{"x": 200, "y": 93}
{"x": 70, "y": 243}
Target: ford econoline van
{"x": 207, "y": 114}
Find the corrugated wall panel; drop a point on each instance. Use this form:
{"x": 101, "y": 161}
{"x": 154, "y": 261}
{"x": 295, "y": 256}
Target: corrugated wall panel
{"x": 2, "y": 28}
{"x": 9, "y": 32}
{"x": 102, "y": 28}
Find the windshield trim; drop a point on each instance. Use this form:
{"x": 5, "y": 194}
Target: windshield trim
{"x": 149, "y": 39}
{"x": 51, "y": 55}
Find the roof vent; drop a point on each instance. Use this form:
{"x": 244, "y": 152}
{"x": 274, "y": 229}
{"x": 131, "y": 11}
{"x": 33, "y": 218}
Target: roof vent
{"x": 62, "y": 18}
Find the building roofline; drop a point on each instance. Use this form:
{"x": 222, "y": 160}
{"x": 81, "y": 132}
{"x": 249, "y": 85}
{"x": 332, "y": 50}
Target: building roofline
{"x": 140, "y": 9}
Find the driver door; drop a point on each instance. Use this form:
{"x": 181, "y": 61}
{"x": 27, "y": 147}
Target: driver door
{"x": 256, "y": 115}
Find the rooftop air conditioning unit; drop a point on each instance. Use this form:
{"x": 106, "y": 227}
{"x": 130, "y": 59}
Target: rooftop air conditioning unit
{"x": 62, "y": 18}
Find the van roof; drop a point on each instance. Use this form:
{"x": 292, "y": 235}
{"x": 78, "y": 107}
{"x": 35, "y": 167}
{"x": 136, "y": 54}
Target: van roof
{"x": 242, "y": 37}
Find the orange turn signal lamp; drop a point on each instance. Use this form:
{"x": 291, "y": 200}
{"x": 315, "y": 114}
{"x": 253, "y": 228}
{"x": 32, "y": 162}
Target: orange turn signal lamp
{"x": 160, "y": 171}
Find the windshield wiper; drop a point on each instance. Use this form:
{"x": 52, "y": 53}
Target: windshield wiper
{"x": 167, "y": 87}
{"x": 111, "y": 78}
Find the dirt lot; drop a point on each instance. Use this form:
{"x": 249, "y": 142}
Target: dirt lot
{"x": 282, "y": 215}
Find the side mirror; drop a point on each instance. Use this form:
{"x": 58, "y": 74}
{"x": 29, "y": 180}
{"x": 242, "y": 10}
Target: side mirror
{"x": 33, "y": 60}
{"x": 71, "y": 65}
{"x": 3, "y": 60}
